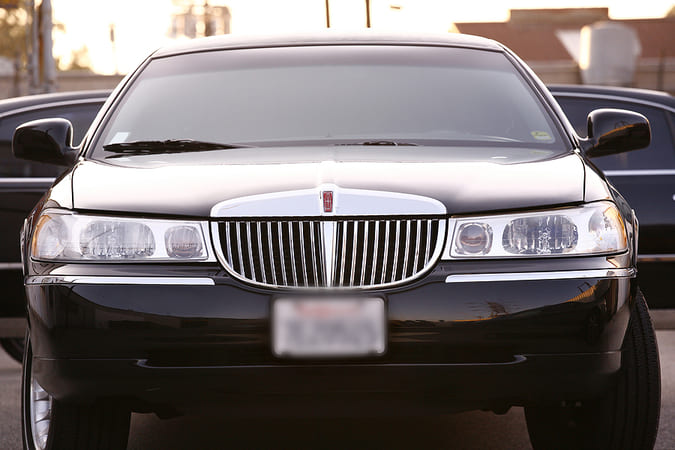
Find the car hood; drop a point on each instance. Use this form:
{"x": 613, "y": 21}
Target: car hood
{"x": 464, "y": 180}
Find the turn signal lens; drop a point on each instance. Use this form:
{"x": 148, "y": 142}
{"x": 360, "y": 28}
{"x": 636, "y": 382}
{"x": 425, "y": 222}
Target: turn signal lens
{"x": 607, "y": 229}
{"x": 50, "y": 237}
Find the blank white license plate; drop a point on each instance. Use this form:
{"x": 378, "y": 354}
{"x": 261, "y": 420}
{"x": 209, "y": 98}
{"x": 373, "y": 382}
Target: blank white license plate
{"x": 306, "y": 327}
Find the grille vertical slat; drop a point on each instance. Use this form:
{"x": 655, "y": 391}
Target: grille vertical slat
{"x": 353, "y": 252}
{"x": 317, "y": 276}
{"x": 228, "y": 242}
{"x": 376, "y": 240}
{"x": 250, "y": 251}
{"x": 406, "y": 252}
{"x": 364, "y": 258}
{"x": 427, "y": 255}
{"x": 385, "y": 254}
{"x": 393, "y": 270}
{"x": 343, "y": 258}
{"x": 260, "y": 252}
{"x": 301, "y": 226}
{"x": 282, "y": 259}
{"x": 291, "y": 242}
{"x": 271, "y": 249}
{"x": 366, "y": 252}
{"x": 239, "y": 249}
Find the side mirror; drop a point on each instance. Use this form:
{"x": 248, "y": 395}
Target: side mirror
{"x": 612, "y": 131}
{"x": 45, "y": 140}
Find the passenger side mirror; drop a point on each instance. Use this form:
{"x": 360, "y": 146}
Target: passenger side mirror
{"x": 612, "y": 131}
{"x": 45, "y": 140}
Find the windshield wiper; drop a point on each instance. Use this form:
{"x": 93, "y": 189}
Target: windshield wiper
{"x": 162, "y": 147}
{"x": 380, "y": 142}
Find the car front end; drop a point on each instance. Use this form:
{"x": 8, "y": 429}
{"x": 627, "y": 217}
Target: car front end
{"x": 404, "y": 250}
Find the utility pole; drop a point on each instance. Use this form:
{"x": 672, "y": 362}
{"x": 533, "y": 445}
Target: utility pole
{"x": 327, "y": 15}
{"x": 114, "y": 47}
{"x": 46, "y": 55}
{"x": 367, "y": 13}
{"x": 32, "y": 46}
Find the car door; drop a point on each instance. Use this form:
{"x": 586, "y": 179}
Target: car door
{"x": 22, "y": 183}
{"x": 646, "y": 178}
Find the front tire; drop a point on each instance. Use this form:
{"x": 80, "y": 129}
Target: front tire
{"x": 52, "y": 424}
{"x": 627, "y": 417}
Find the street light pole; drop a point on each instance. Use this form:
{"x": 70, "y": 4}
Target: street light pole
{"x": 327, "y": 14}
{"x": 33, "y": 50}
{"x": 46, "y": 55}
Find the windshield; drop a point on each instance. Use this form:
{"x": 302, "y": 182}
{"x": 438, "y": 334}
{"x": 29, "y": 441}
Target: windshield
{"x": 332, "y": 95}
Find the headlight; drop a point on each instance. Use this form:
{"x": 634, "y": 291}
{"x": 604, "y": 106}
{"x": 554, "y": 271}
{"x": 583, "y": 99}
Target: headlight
{"x": 595, "y": 228}
{"x": 65, "y": 236}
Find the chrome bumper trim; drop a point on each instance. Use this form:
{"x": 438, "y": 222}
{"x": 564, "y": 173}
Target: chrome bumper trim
{"x": 11, "y": 266}
{"x": 533, "y": 276}
{"x": 639, "y": 172}
{"x": 165, "y": 281}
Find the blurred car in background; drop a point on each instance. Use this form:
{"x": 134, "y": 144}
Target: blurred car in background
{"x": 22, "y": 183}
{"x": 646, "y": 178}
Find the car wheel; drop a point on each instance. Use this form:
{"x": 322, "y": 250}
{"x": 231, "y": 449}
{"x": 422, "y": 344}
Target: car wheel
{"x": 627, "y": 417}
{"x": 13, "y": 347}
{"x": 48, "y": 423}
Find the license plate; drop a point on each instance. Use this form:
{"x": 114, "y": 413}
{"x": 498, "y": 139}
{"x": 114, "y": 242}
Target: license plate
{"x": 307, "y": 327}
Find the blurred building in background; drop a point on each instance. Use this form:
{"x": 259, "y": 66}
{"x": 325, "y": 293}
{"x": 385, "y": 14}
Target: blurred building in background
{"x": 563, "y": 45}
{"x": 194, "y": 18}
{"x": 571, "y": 45}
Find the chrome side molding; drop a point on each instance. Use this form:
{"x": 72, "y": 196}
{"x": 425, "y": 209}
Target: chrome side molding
{"x": 163, "y": 281}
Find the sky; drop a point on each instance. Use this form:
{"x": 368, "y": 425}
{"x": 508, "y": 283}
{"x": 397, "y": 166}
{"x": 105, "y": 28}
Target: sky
{"x": 142, "y": 26}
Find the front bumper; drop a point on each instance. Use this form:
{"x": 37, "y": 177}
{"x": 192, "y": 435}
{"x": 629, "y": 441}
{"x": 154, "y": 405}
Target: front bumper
{"x": 182, "y": 339}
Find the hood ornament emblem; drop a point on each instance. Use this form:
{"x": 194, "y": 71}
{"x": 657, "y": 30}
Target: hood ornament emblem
{"x": 327, "y": 197}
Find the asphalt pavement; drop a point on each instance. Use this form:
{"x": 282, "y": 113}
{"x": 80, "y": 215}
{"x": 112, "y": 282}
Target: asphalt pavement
{"x": 473, "y": 430}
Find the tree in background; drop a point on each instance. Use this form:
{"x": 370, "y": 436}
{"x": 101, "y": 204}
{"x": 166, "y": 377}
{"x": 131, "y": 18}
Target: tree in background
{"x": 13, "y": 19}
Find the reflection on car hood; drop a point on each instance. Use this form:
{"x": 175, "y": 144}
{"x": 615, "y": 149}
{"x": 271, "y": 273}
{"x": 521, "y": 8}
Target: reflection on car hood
{"x": 465, "y": 180}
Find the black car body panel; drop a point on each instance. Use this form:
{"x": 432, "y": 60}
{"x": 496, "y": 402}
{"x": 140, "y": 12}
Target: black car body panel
{"x": 232, "y": 174}
{"x": 646, "y": 178}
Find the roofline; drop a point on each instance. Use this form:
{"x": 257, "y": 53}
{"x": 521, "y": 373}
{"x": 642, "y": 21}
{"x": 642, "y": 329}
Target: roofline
{"x": 328, "y": 38}
{"x": 54, "y": 97}
{"x": 645, "y": 96}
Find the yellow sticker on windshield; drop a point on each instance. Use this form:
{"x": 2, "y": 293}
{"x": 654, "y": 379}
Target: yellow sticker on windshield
{"x": 541, "y": 136}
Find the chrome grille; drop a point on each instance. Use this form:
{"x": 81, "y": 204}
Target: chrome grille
{"x": 329, "y": 253}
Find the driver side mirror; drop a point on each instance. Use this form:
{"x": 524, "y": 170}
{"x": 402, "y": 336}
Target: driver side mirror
{"x": 612, "y": 131}
{"x": 45, "y": 140}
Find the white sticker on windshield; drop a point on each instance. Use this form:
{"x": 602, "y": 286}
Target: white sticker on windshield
{"x": 120, "y": 136}
{"x": 542, "y": 136}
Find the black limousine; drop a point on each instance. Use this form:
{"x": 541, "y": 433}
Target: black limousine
{"x": 344, "y": 224}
